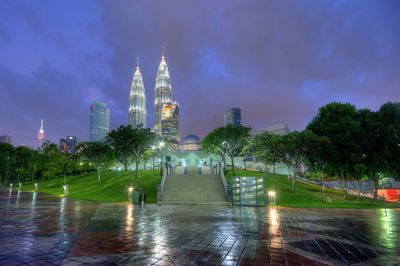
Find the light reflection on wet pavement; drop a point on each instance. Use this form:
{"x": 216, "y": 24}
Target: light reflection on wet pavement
{"x": 38, "y": 229}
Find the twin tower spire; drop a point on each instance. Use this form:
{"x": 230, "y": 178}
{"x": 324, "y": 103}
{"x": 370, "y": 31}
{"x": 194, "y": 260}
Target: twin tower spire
{"x": 166, "y": 122}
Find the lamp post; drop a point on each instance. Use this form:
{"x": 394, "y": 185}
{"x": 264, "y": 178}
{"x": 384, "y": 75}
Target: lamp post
{"x": 161, "y": 157}
{"x": 153, "y": 148}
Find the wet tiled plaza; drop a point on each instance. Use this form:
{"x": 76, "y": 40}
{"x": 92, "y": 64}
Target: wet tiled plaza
{"x": 38, "y": 229}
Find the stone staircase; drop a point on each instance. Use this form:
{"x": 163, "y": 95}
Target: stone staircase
{"x": 193, "y": 189}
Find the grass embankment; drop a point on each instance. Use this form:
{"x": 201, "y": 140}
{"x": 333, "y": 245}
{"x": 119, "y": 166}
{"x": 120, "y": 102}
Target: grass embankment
{"x": 112, "y": 188}
{"x": 310, "y": 196}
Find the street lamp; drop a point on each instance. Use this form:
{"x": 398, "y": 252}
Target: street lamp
{"x": 153, "y": 149}
{"x": 161, "y": 161}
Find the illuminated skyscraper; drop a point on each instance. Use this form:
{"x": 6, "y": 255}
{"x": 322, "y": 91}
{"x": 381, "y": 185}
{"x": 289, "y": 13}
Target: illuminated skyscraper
{"x": 170, "y": 124}
{"x": 137, "y": 101}
{"x": 69, "y": 145}
{"x": 6, "y": 139}
{"x": 40, "y": 135}
{"x": 99, "y": 121}
{"x": 162, "y": 94}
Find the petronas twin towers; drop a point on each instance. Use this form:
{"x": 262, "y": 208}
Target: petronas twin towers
{"x": 166, "y": 123}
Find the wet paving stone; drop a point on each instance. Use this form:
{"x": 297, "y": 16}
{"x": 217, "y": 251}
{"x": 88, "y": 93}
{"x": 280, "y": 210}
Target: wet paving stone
{"x": 39, "y": 229}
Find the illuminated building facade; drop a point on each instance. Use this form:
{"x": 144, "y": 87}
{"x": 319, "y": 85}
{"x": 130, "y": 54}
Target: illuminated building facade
{"x": 233, "y": 116}
{"x": 99, "y": 121}
{"x": 170, "y": 124}
{"x": 166, "y": 123}
{"x": 137, "y": 101}
{"x": 68, "y": 145}
{"x": 40, "y": 135}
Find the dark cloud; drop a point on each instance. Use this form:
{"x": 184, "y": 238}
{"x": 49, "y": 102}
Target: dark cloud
{"x": 277, "y": 60}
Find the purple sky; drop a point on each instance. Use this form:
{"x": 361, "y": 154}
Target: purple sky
{"x": 277, "y": 60}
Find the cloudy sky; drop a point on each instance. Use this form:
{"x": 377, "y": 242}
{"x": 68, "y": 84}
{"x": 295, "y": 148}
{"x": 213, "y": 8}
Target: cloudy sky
{"x": 277, "y": 60}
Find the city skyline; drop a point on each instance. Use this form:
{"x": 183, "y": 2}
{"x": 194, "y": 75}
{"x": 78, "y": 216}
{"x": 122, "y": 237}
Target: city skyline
{"x": 277, "y": 61}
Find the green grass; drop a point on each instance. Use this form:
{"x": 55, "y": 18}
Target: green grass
{"x": 310, "y": 196}
{"x": 112, "y": 188}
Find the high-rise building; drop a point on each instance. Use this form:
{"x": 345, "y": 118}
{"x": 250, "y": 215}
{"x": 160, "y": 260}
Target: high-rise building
{"x": 162, "y": 94}
{"x": 137, "y": 101}
{"x": 166, "y": 124}
{"x": 99, "y": 121}
{"x": 69, "y": 145}
{"x": 41, "y": 135}
{"x": 170, "y": 124}
{"x": 233, "y": 116}
{"x": 6, "y": 139}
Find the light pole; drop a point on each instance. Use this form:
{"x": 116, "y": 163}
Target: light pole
{"x": 161, "y": 157}
{"x": 153, "y": 149}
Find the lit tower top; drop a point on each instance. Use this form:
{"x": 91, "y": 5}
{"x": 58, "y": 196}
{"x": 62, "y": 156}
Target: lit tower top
{"x": 162, "y": 93}
{"x": 40, "y": 135}
{"x": 137, "y": 100}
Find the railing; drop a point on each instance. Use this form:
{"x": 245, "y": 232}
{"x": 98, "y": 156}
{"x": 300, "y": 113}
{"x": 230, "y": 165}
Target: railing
{"x": 226, "y": 187}
{"x": 160, "y": 187}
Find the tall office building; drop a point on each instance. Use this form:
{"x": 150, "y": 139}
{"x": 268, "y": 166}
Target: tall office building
{"x": 137, "y": 101}
{"x": 69, "y": 145}
{"x": 233, "y": 116}
{"x": 6, "y": 139}
{"x": 170, "y": 124}
{"x": 41, "y": 135}
{"x": 162, "y": 94}
{"x": 99, "y": 121}
{"x": 166, "y": 124}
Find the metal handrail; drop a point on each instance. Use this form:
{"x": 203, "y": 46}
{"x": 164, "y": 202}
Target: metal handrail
{"x": 162, "y": 184}
{"x": 222, "y": 176}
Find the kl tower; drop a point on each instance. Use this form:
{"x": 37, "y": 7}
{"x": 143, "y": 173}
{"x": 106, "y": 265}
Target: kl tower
{"x": 40, "y": 134}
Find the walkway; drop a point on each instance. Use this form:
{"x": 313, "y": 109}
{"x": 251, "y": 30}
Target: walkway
{"x": 39, "y": 229}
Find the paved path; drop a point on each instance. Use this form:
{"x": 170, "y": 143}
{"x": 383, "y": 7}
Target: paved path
{"x": 36, "y": 229}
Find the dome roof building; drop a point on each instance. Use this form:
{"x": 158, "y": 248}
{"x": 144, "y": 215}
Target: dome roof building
{"x": 191, "y": 143}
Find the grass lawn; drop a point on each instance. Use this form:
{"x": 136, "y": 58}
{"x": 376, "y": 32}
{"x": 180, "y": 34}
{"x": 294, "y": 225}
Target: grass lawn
{"x": 310, "y": 196}
{"x": 112, "y": 188}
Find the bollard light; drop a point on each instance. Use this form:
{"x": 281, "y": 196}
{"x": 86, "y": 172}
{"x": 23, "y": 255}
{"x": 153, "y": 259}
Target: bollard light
{"x": 36, "y": 186}
{"x": 130, "y": 189}
{"x": 66, "y": 189}
{"x": 11, "y": 185}
{"x": 272, "y": 197}
{"x": 20, "y": 186}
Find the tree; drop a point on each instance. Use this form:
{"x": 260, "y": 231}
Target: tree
{"x": 338, "y": 122}
{"x": 390, "y": 115}
{"x": 227, "y": 141}
{"x": 372, "y": 138}
{"x": 121, "y": 140}
{"x": 140, "y": 144}
{"x": 99, "y": 155}
{"x": 292, "y": 150}
{"x": 7, "y": 156}
{"x": 317, "y": 157}
{"x": 264, "y": 147}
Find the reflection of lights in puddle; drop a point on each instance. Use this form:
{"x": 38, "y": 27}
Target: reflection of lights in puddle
{"x": 388, "y": 228}
{"x": 273, "y": 222}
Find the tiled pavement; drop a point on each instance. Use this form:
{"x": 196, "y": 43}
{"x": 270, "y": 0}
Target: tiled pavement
{"x": 37, "y": 229}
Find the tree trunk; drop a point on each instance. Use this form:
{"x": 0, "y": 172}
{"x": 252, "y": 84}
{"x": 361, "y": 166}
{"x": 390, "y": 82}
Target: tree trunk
{"x": 244, "y": 162}
{"x": 98, "y": 174}
{"x": 358, "y": 189}
{"x": 376, "y": 186}
{"x": 293, "y": 181}
{"x": 345, "y": 185}
{"x": 125, "y": 166}
{"x": 136, "y": 169}
{"x": 323, "y": 181}
{"x": 273, "y": 167}
{"x": 233, "y": 166}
